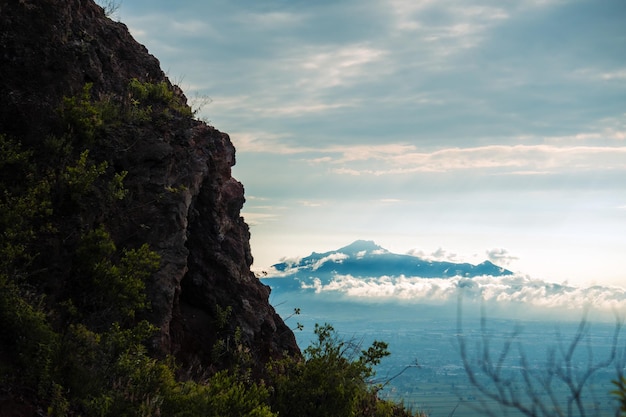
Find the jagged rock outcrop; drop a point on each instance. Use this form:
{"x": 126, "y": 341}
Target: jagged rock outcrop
{"x": 182, "y": 198}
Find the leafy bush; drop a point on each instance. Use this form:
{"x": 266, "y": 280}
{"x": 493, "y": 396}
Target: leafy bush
{"x": 331, "y": 380}
{"x": 27, "y": 338}
{"x": 86, "y": 119}
{"x": 24, "y": 205}
{"x": 107, "y": 291}
{"x": 155, "y": 95}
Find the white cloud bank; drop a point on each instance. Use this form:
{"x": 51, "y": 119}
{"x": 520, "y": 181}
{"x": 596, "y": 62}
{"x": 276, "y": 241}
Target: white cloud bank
{"x": 516, "y": 289}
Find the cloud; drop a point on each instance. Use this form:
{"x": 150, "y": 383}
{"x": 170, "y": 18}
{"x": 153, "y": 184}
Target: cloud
{"x": 439, "y": 255}
{"x": 500, "y": 256}
{"x": 514, "y": 159}
{"x": 399, "y": 158}
{"x": 615, "y": 75}
{"x": 277, "y": 20}
{"x": 334, "y": 257}
{"x": 515, "y": 289}
{"x": 329, "y": 66}
{"x": 265, "y": 142}
{"x": 291, "y": 263}
{"x": 307, "y": 203}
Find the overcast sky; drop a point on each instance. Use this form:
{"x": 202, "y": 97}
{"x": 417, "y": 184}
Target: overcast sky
{"x": 448, "y": 129}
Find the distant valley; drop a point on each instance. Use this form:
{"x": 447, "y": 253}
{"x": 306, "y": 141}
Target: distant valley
{"x": 415, "y": 304}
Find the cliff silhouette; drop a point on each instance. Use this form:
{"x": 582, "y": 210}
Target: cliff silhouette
{"x": 79, "y": 96}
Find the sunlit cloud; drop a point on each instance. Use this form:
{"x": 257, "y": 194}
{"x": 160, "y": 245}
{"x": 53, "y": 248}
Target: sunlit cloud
{"x": 438, "y": 255}
{"x": 457, "y": 27}
{"x": 307, "y": 203}
{"x": 500, "y": 256}
{"x": 615, "y": 75}
{"x": 334, "y": 257}
{"x": 406, "y": 158}
{"x": 516, "y": 289}
{"x": 287, "y": 107}
{"x": 516, "y": 159}
{"x": 265, "y": 142}
{"x": 330, "y": 66}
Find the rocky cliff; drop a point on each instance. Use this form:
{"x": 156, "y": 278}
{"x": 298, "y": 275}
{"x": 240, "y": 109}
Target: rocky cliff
{"x": 180, "y": 196}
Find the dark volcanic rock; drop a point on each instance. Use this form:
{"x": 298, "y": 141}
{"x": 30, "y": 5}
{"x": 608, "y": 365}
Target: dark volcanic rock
{"x": 183, "y": 200}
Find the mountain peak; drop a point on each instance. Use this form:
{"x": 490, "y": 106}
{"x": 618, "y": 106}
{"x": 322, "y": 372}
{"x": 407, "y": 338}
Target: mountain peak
{"x": 360, "y": 246}
{"x": 364, "y": 258}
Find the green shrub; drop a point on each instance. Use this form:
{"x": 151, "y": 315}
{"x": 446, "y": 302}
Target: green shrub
{"x": 27, "y": 338}
{"x": 82, "y": 116}
{"x": 81, "y": 178}
{"x": 221, "y": 395}
{"x": 25, "y": 206}
{"x": 105, "y": 290}
{"x": 150, "y": 92}
{"x": 331, "y": 380}
{"x": 151, "y": 96}
{"x": 87, "y": 119}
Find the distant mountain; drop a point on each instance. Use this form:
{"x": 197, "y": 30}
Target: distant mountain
{"x": 365, "y": 259}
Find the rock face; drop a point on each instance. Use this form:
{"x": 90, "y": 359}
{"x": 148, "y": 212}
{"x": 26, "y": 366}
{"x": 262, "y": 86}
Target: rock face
{"x": 182, "y": 198}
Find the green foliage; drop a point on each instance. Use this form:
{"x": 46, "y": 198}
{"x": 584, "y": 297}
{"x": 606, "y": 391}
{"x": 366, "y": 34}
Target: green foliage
{"x": 26, "y": 336}
{"x": 152, "y": 92}
{"x": 83, "y": 116}
{"x": 620, "y": 393}
{"x": 153, "y": 96}
{"x": 116, "y": 189}
{"x": 222, "y": 316}
{"x": 126, "y": 381}
{"x": 332, "y": 380}
{"x": 12, "y": 154}
{"x": 81, "y": 177}
{"x": 24, "y": 205}
{"x": 82, "y": 180}
{"x": 86, "y": 119}
{"x": 229, "y": 348}
{"x": 222, "y": 395}
{"x": 107, "y": 291}
{"x": 331, "y": 349}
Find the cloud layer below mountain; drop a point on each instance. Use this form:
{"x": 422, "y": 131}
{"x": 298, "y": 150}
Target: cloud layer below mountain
{"x": 514, "y": 290}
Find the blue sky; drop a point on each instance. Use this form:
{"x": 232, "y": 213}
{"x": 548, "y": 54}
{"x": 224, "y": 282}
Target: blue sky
{"x": 452, "y": 130}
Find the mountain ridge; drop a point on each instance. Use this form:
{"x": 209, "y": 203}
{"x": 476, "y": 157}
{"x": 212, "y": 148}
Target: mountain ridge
{"x": 364, "y": 258}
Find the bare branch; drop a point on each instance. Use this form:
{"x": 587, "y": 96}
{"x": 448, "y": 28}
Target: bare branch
{"x": 537, "y": 393}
